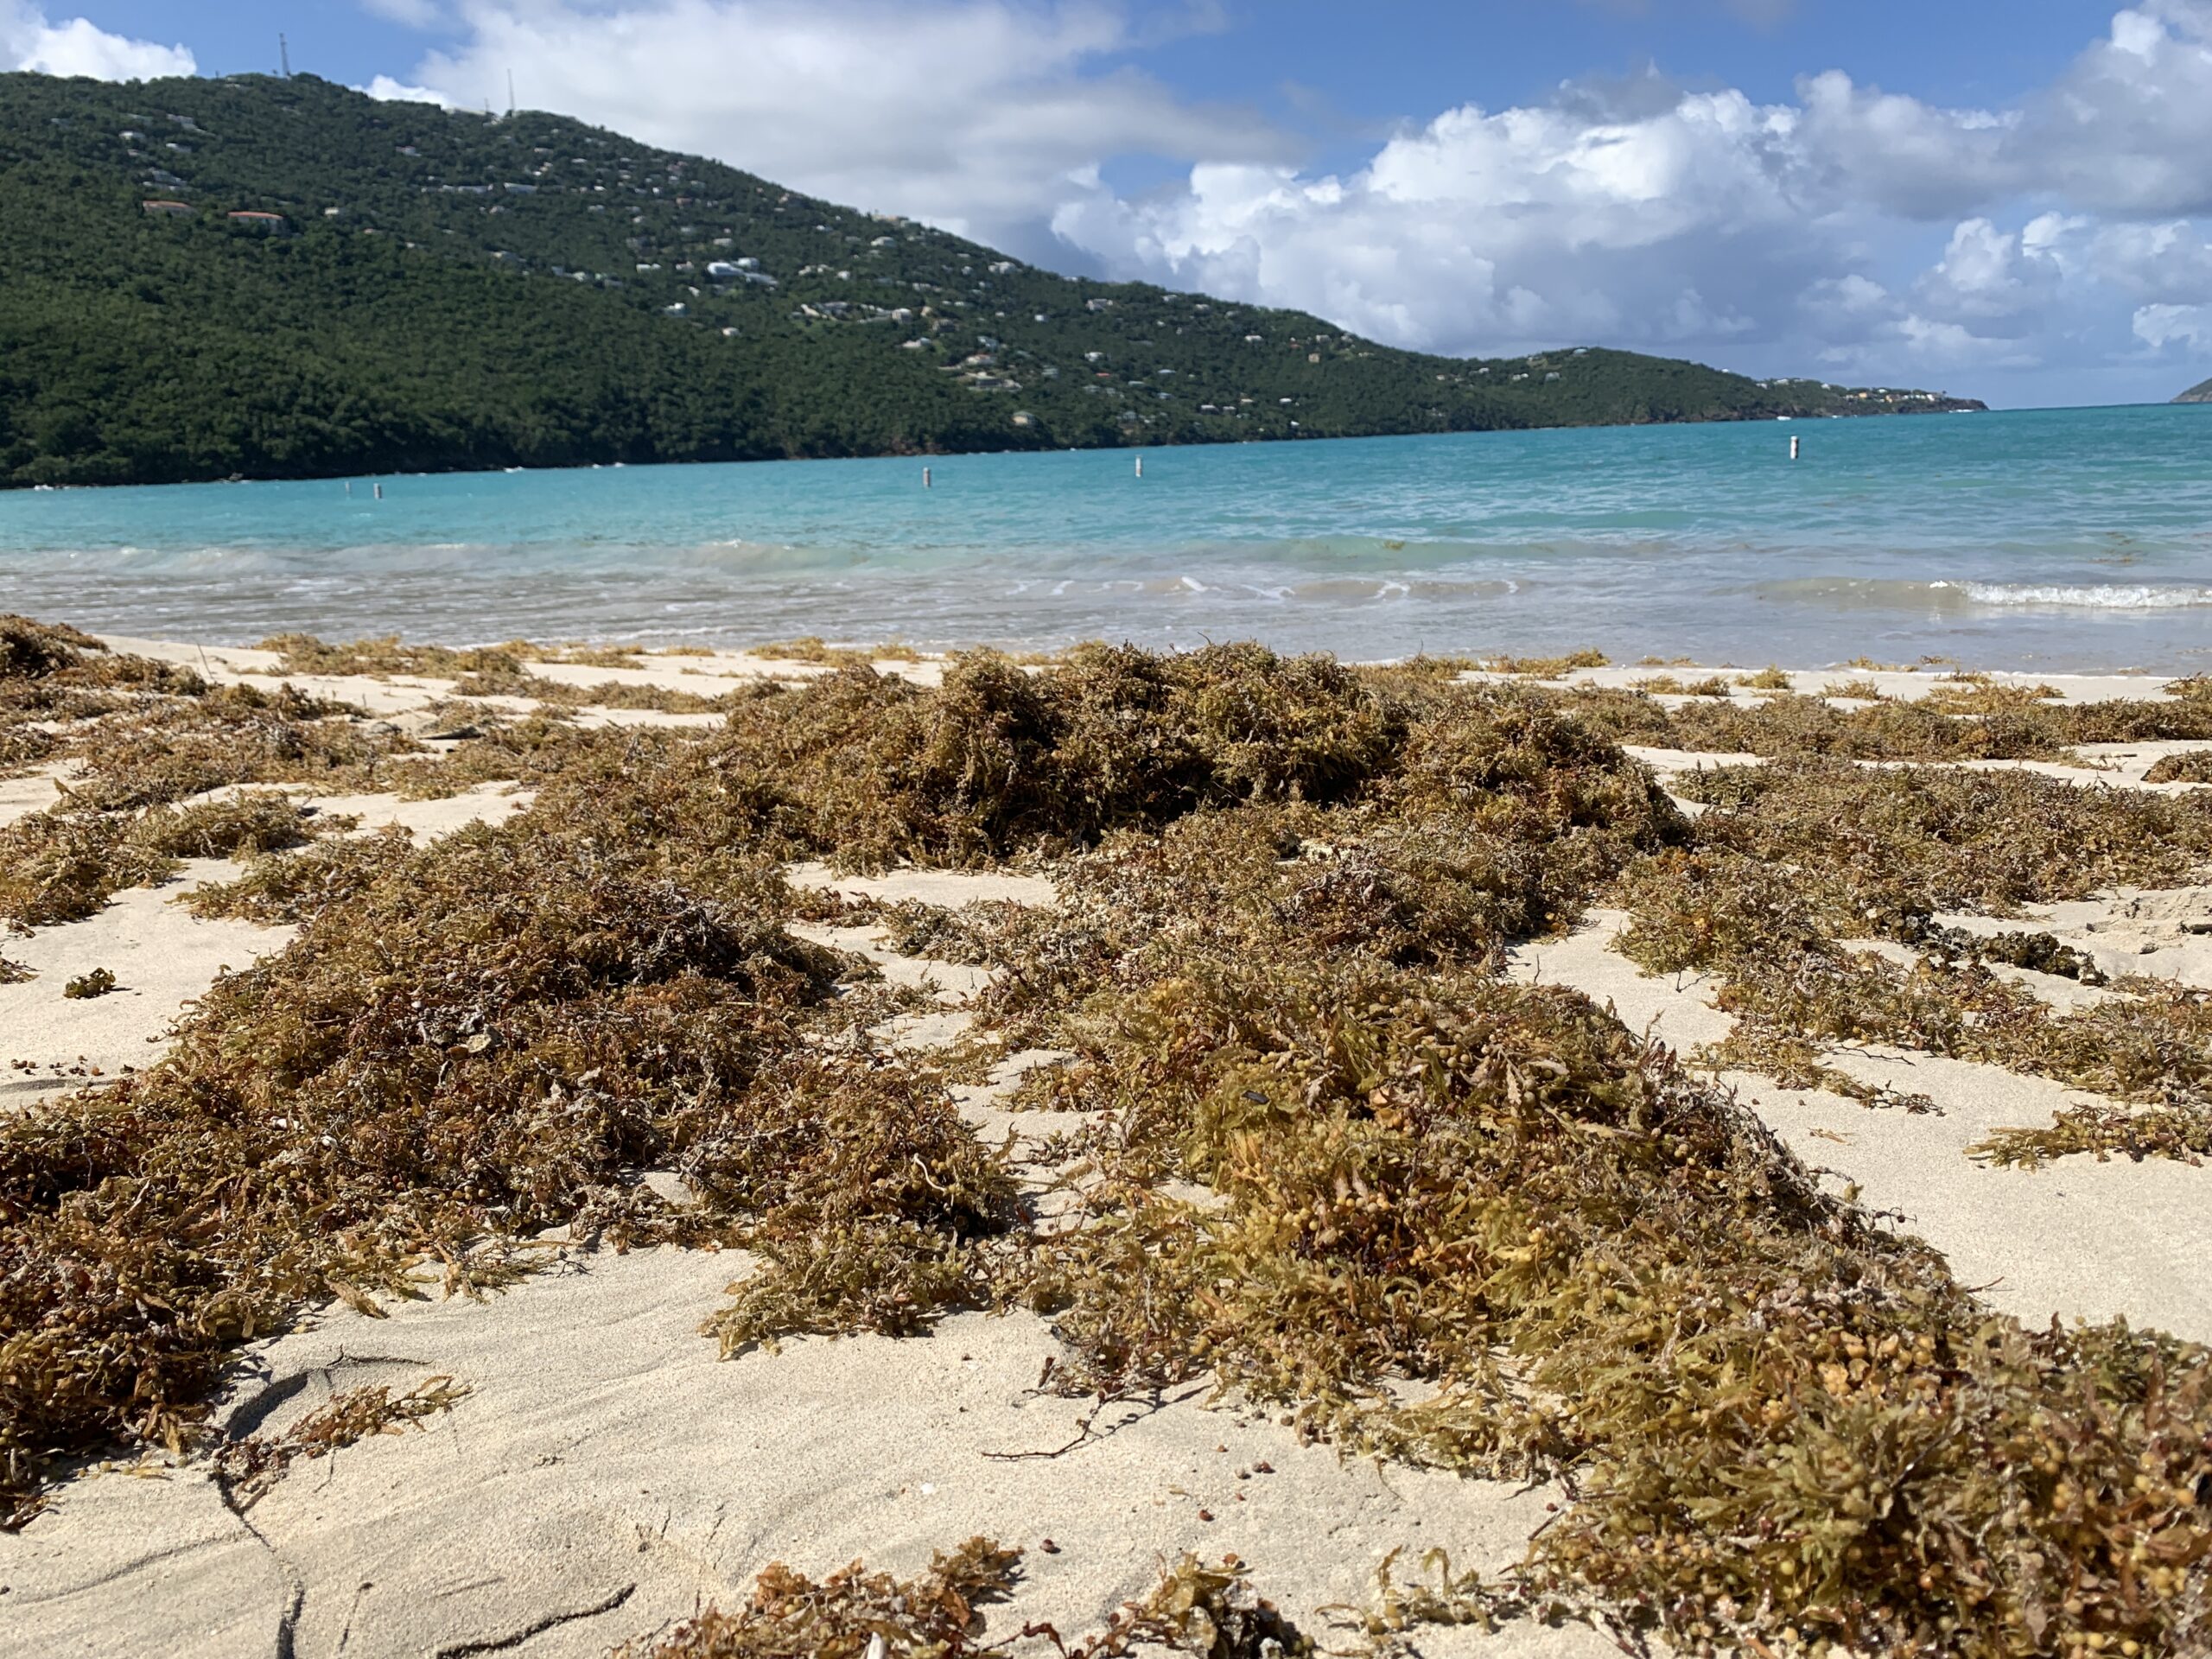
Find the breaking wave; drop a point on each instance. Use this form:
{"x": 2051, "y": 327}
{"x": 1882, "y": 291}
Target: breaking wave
{"x": 2093, "y": 596}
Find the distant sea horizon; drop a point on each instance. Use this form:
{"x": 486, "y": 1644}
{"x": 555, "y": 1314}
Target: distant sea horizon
{"x": 2074, "y": 539}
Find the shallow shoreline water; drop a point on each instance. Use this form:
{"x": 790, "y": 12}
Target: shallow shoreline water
{"x": 2054, "y": 541}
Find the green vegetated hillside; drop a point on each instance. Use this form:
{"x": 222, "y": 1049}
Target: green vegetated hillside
{"x": 426, "y": 290}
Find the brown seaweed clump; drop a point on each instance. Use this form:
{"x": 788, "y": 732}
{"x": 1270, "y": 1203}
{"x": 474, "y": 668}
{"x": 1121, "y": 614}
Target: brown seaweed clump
{"x": 1209, "y": 1611}
{"x": 1798, "y": 859}
{"x": 246, "y": 824}
{"x": 1454, "y": 1220}
{"x": 484, "y": 1042}
{"x": 32, "y": 651}
{"x": 1966, "y": 722}
{"x": 1774, "y": 1415}
{"x": 852, "y": 1613}
{"x": 813, "y": 648}
{"x": 63, "y": 864}
{"x": 249, "y": 1467}
{"x": 280, "y": 888}
{"x": 2191, "y": 766}
{"x": 304, "y": 654}
{"x": 1875, "y": 844}
{"x": 1778, "y": 1417}
{"x": 1547, "y": 668}
{"x": 53, "y": 680}
{"x": 611, "y": 694}
{"x": 999, "y": 759}
{"x": 168, "y": 749}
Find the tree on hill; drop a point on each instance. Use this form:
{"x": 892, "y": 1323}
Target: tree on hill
{"x": 284, "y": 277}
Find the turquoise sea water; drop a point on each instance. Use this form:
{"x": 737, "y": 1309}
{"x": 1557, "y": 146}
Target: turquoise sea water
{"x": 2063, "y": 539}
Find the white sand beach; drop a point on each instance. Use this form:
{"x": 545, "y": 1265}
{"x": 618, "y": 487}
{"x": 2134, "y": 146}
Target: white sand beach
{"x": 608, "y": 1475}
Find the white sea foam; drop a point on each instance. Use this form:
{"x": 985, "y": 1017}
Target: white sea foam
{"x": 2095, "y": 596}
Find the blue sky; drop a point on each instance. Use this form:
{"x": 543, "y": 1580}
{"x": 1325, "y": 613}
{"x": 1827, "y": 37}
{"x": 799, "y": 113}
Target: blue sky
{"x": 1379, "y": 61}
{"x": 2006, "y": 199}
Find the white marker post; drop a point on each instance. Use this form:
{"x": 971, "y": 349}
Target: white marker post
{"x": 1794, "y": 444}
{"x": 1139, "y": 466}
{"x": 380, "y": 491}
{"x": 926, "y": 484}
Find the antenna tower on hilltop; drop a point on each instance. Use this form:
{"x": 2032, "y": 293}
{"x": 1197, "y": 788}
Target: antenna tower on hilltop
{"x": 284, "y": 56}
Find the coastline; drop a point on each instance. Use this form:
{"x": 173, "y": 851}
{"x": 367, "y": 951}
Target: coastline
{"x": 634, "y": 1476}
{"x": 2052, "y": 542}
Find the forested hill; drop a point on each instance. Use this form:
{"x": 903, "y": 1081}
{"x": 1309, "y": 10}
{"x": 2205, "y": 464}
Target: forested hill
{"x": 283, "y": 278}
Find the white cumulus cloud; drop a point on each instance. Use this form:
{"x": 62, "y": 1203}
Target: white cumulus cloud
{"x": 385, "y": 87}
{"x": 978, "y": 114}
{"x": 2160, "y": 326}
{"x": 29, "y": 39}
{"x": 1755, "y": 233}
{"x": 2053, "y": 239}
{"x": 409, "y": 14}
